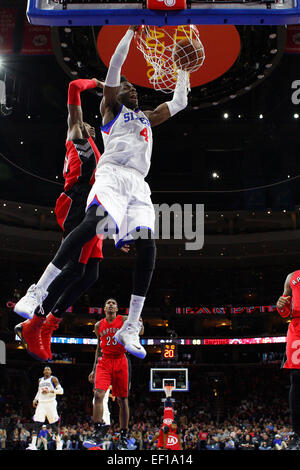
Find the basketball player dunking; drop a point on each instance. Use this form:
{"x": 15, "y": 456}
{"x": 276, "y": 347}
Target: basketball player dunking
{"x": 119, "y": 201}
{"x": 288, "y": 305}
{"x": 112, "y": 368}
{"x": 82, "y": 270}
{"x": 45, "y": 405}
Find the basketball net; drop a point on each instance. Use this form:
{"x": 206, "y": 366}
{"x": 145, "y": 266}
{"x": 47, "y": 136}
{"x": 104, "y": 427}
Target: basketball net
{"x": 168, "y": 390}
{"x": 158, "y": 45}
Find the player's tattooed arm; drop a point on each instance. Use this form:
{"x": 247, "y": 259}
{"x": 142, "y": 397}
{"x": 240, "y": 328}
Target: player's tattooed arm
{"x": 36, "y": 398}
{"x": 158, "y": 115}
{"x": 97, "y": 353}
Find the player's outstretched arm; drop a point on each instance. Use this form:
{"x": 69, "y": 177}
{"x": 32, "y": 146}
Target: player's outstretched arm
{"x": 110, "y": 104}
{"x": 284, "y": 302}
{"x": 76, "y": 128}
{"x": 179, "y": 101}
{"x": 97, "y": 353}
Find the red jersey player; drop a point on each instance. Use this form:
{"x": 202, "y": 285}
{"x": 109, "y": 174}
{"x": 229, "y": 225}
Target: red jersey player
{"x": 82, "y": 156}
{"x": 167, "y": 437}
{"x": 288, "y": 305}
{"x": 172, "y": 440}
{"x": 112, "y": 368}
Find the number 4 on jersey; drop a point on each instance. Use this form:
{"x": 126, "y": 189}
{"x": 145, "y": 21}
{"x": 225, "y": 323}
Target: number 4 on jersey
{"x": 144, "y": 133}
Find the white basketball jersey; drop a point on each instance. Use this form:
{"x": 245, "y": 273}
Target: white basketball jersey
{"x": 128, "y": 141}
{"x": 46, "y": 384}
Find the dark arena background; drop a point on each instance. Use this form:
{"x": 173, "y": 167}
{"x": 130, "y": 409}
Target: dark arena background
{"x": 212, "y": 311}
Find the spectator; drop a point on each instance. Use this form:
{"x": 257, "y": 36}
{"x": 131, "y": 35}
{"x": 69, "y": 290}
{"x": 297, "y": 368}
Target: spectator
{"x": 3, "y": 437}
{"x": 202, "y": 436}
{"x": 15, "y": 439}
{"x": 43, "y": 437}
{"x": 137, "y": 435}
{"x": 24, "y": 438}
{"x": 73, "y": 441}
{"x": 279, "y": 443}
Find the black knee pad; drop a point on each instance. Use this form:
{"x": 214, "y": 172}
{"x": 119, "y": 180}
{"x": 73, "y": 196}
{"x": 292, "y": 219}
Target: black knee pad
{"x": 146, "y": 251}
{"x": 37, "y": 426}
{"x": 94, "y": 216}
{"x": 54, "y": 427}
{"x": 73, "y": 271}
{"x": 145, "y": 263}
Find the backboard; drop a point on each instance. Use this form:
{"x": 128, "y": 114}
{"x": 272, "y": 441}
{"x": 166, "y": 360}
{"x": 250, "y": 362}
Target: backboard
{"x": 125, "y": 12}
{"x": 178, "y": 377}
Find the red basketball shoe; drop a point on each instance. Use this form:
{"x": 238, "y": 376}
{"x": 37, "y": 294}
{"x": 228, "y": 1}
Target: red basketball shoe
{"x": 29, "y": 333}
{"x": 50, "y": 324}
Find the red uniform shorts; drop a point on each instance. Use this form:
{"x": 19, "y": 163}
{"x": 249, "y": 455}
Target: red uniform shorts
{"x": 70, "y": 211}
{"x": 113, "y": 370}
{"x": 293, "y": 345}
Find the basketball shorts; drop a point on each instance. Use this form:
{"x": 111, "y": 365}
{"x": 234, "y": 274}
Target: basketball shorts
{"x": 126, "y": 197}
{"x": 70, "y": 211}
{"x": 46, "y": 410}
{"x": 115, "y": 371}
{"x": 293, "y": 345}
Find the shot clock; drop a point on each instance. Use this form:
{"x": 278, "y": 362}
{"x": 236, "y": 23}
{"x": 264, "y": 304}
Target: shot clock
{"x": 169, "y": 352}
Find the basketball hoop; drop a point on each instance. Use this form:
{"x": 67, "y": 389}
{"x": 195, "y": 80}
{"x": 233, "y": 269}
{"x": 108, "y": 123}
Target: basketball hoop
{"x": 168, "y": 390}
{"x": 169, "y": 50}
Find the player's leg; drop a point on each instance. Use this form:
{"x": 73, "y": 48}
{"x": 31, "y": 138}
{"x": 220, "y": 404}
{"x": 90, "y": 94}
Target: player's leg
{"x": 128, "y": 335}
{"x": 100, "y": 427}
{"x": 102, "y": 382}
{"x": 37, "y": 426}
{"x": 139, "y": 226}
{"x": 124, "y": 421}
{"x": 92, "y": 224}
{"x": 52, "y": 415}
{"x": 100, "y": 218}
{"x": 106, "y": 412}
{"x": 55, "y": 430}
{"x": 30, "y": 331}
{"x": 121, "y": 379}
{"x": 38, "y": 420}
{"x": 67, "y": 299}
{"x": 294, "y": 403}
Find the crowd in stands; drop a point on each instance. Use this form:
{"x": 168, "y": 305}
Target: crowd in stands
{"x": 255, "y": 414}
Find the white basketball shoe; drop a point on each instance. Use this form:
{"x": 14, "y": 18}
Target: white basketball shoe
{"x": 33, "y": 298}
{"x": 31, "y": 447}
{"x": 128, "y": 336}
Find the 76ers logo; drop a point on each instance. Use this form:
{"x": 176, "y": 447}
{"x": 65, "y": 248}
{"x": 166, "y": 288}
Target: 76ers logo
{"x": 166, "y": 4}
{"x": 172, "y": 441}
{"x": 168, "y": 421}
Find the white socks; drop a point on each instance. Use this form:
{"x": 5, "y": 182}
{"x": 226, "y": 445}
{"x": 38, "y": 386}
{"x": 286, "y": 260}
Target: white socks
{"x": 135, "y": 308}
{"x": 50, "y": 273}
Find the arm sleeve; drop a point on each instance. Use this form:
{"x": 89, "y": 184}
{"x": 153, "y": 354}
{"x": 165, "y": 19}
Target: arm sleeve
{"x": 76, "y": 87}
{"x": 117, "y": 60}
{"x": 59, "y": 390}
{"x": 179, "y": 100}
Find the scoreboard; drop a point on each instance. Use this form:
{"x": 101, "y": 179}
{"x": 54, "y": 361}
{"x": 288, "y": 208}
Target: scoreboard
{"x": 169, "y": 352}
